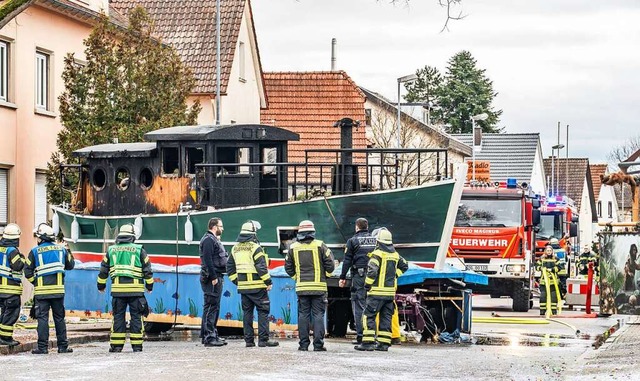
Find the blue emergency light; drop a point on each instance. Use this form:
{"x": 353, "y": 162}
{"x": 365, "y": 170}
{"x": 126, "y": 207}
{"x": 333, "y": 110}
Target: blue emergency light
{"x": 512, "y": 183}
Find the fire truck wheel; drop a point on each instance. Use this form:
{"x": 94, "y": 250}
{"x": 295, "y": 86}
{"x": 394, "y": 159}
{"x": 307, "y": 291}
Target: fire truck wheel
{"x": 521, "y": 299}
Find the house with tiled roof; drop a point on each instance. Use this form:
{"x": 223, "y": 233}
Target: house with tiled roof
{"x": 415, "y": 132}
{"x": 35, "y": 37}
{"x": 605, "y": 196}
{"x": 517, "y": 156}
{"x": 309, "y": 104}
{"x": 189, "y": 26}
{"x": 572, "y": 178}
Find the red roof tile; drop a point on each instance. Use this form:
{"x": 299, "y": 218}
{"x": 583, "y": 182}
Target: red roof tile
{"x": 190, "y": 27}
{"x": 596, "y": 171}
{"x": 309, "y": 103}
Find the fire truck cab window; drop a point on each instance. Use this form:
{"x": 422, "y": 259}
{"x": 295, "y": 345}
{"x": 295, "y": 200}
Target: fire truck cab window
{"x": 171, "y": 161}
{"x": 234, "y": 155}
{"x": 489, "y": 213}
{"x": 550, "y": 226}
{"x": 195, "y": 155}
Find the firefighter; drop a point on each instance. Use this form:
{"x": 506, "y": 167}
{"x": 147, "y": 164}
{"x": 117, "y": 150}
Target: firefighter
{"x": 129, "y": 268}
{"x": 45, "y": 267}
{"x": 383, "y": 270}
{"x": 356, "y": 257}
{"x": 11, "y": 265}
{"x": 563, "y": 259}
{"x": 248, "y": 269}
{"x": 310, "y": 262}
{"x": 584, "y": 259}
{"x": 396, "y": 336}
{"x": 549, "y": 284}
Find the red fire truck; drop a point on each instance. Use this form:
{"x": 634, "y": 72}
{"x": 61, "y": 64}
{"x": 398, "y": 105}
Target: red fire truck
{"x": 558, "y": 219}
{"x": 494, "y": 234}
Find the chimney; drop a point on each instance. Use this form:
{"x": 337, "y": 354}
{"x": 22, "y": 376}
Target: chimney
{"x": 334, "y": 42}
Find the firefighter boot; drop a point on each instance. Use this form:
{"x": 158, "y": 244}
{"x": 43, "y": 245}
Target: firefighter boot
{"x": 365, "y": 347}
{"x": 382, "y": 347}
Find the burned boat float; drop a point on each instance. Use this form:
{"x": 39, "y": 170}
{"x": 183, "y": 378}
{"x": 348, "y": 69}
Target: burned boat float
{"x": 171, "y": 185}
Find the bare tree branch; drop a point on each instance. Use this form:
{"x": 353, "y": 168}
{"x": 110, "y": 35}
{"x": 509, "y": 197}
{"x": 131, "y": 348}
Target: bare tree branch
{"x": 448, "y": 4}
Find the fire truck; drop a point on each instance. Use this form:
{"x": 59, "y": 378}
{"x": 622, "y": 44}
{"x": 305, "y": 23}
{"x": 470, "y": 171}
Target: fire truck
{"x": 494, "y": 234}
{"x": 559, "y": 218}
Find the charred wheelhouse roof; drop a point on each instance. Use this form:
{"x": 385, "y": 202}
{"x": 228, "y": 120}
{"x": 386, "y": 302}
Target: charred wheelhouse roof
{"x": 117, "y": 150}
{"x": 227, "y": 132}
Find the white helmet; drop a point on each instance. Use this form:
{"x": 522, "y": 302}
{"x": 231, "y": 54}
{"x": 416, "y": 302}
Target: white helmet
{"x": 250, "y": 227}
{"x": 306, "y": 226}
{"x": 11, "y": 231}
{"x": 385, "y": 237}
{"x": 127, "y": 230}
{"x": 44, "y": 232}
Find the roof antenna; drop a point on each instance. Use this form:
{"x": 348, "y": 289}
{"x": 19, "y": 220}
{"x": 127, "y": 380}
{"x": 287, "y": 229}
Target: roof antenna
{"x": 334, "y": 42}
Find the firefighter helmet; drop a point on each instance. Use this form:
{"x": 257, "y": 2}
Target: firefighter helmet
{"x": 306, "y": 226}
{"x": 385, "y": 237}
{"x": 44, "y": 232}
{"x": 554, "y": 241}
{"x": 127, "y": 230}
{"x": 11, "y": 231}
{"x": 248, "y": 227}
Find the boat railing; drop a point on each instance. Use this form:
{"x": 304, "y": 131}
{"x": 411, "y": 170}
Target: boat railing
{"x": 324, "y": 172}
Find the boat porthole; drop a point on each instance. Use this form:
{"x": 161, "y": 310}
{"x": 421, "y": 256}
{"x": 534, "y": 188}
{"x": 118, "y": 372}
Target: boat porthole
{"x": 99, "y": 179}
{"x": 146, "y": 178}
{"x": 122, "y": 179}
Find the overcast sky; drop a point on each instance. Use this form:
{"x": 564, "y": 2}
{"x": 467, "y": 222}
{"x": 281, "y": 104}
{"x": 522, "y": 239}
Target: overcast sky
{"x": 572, "y": 61}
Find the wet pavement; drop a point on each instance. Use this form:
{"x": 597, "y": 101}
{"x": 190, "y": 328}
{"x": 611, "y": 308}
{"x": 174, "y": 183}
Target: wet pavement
{"x": 550, "y": 351}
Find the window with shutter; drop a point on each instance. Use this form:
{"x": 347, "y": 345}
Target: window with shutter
{"x": 4, "y": 192}
{"x": 40, "y": 199}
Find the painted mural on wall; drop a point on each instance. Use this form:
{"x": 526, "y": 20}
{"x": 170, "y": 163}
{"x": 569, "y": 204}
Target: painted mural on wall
{"x": 178, "y": 294}
{"x": 619, "y": 273}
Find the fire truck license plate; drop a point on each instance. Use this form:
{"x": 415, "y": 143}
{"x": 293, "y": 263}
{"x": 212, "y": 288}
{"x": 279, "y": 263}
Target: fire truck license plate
{"x": 478, "y": 267}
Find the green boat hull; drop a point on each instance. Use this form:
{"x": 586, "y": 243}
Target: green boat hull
{"x": 416, "y": 216}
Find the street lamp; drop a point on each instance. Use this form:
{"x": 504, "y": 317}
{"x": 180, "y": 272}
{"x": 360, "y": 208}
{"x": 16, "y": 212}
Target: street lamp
{"x": 406, "y": 78}
{"x": 554, "y": 186}
{"x": 477, "y": 140}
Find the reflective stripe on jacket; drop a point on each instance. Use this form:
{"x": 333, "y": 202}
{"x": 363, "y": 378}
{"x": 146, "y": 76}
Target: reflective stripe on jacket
{"x": 45, "y": 268}
{"x": 125, "y": 260}
{"x": 129, "y": 268}
{"x": 10, "y": 278}
{"x": 384, "y": 268}
{"x": 245, "y": 255}
{"x": 49, "y": 259}
{"x": 551, "y": 265}
{"x": 310, "y": 263}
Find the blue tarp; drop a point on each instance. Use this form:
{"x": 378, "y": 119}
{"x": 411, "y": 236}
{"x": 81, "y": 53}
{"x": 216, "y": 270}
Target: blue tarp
{"x": 417, "y": 274}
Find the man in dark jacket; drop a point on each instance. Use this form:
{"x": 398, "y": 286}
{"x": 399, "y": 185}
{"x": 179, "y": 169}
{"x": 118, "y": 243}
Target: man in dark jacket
{"x": 11, "y": 265}
{"x": 383, "y": 270}
{"x": 45, "y": 267}
{"x": 309, "y": 261}
{"x": 356, "y": 257}
{"x": 129, "y": 267}
{"x": 248, "y": 269}
{"x": 213, "y": 261}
